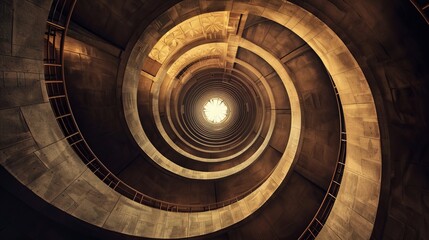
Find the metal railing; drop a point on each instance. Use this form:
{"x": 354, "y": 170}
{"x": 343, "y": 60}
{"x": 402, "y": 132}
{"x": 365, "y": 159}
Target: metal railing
{"x": 319, "y": 219}
{"x": 56, "y": 30}
{"x": 423, "y": 7}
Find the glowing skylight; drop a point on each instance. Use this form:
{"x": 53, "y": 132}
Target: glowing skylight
{"x": 215, "y": 110}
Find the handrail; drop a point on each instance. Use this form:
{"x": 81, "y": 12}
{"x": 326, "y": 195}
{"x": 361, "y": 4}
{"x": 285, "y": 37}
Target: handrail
{"x": 56, "y": 30}
{"x": 422, "y": 8}
{"x": 319, "y": 219}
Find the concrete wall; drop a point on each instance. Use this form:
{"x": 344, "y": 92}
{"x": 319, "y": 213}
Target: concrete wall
{"x": 388, "y": 42}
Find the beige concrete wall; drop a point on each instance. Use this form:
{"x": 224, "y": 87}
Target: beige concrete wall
{"x": 34, "y": 151}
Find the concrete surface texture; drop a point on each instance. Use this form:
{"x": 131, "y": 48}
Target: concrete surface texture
{"x": 308, "y": 83}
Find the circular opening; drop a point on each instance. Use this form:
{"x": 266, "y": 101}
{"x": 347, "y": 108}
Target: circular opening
{"x": 215, "y": 110}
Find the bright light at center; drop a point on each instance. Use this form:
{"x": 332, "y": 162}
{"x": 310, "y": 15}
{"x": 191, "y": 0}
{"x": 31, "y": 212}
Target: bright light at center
{"x": 215, "y": 110}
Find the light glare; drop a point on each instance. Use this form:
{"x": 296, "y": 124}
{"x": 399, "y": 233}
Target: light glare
{"x": 215, "y": 110}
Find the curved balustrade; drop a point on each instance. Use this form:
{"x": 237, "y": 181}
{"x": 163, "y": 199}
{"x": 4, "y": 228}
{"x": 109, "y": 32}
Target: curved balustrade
{"x": 56, "y": 30}
{"x": 316, "y": 224}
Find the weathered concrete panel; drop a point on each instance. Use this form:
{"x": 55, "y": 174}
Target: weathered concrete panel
{"x": 41, "y": 122}
{"x": 20, "y": 88}
{"x": 54, "y": 181}
{"x": 328, "y": 233}
{"x": 56, "y": 153}
{"x": 125, "y": 215}
{"x": 366, "y": 201}
{"x": 88, "y": 198}
{"x": 340, "y": 221}
{"x": 13, "y": 128}
{"x": 16, "y": 141}
{"x": 25, "y": 169}
{"x": 18, "y": 150}
{"x": 25, "y": 26}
